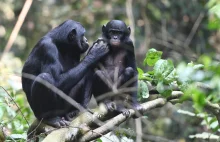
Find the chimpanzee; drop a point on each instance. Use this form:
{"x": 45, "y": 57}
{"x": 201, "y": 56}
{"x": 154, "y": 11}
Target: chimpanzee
{"x": 116, "y": 68}
{"x": 56, "y": 59}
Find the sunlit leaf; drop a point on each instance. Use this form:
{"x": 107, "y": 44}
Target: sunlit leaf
{"x": 163, "y": 89}
{"x": 140, "y": 71}
{"x": 98, "y": 140}
{"x": 143, "y": 91}
{"x": 2, "y": 110}
{"x": 152, "y": 57}
{"x": 204, "y": 136}
{"x": 164, "y": 68}
{"x": 18, "y": 136}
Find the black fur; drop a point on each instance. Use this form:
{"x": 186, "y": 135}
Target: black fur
{"x": 117, "y": 68}
{"x": 56, "y": 59}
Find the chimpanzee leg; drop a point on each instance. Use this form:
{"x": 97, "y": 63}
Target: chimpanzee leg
{"x": 101, "y": 83}
{"x": 129, "y": 79}
{"x": 41, "y": 100}
{"x": 127, "y": 74}
{"x": 87, "y": 92}
{"x": 75, "y": 93}
{"x": 82, "y": 94}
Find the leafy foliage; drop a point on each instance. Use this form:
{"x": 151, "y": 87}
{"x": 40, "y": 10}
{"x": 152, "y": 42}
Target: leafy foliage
{"x": 143, "y": 92}
{"x": 163, "y": 73}
{"x": 152, "y": 57}
{"x": 12, "y": 101}
{"x": 199, "y": 82}
{"x": 164, "y": 25}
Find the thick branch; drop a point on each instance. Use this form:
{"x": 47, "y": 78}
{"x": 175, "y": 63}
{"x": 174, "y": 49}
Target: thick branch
{"x": 80, "y": 130}
{"x": 109, "y": 126}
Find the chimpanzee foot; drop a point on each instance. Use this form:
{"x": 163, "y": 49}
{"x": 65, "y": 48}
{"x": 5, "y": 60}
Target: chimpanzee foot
{"x": 56, "y": 122}
{"x": 126, "y": 113}
{"x": 123, "y": 110}
{"x": 111, "y": 106}
{"x": 71, "y": 115}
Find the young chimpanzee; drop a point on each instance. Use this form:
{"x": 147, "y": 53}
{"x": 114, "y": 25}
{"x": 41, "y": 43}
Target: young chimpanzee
{"x": 116, "y": 68}
{"x": 56, "y": 59}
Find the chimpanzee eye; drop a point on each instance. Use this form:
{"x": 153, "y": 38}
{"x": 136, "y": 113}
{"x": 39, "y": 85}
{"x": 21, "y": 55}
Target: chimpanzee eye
{"x": 111, "y": 32}
{"x": 72, "y": 36}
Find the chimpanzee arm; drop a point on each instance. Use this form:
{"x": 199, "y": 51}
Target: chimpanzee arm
{"x": 131, "y": 62}
{"x": 66, "y": 80}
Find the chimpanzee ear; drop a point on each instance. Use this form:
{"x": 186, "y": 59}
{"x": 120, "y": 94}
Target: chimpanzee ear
{"x": 72, "y": 35}
{"x": 129, "y": 30}
{"x": 103, "y": 29}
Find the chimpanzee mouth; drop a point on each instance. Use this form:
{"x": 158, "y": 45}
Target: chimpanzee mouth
{"x": 84, "y": 42}
{"x": 84, "y": 46}
{"x": 115, "y": 43}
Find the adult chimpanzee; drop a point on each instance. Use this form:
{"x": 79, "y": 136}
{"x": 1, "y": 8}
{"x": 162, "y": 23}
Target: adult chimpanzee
{"x": 56, "y": 59}
{"x": 116, "y": 68}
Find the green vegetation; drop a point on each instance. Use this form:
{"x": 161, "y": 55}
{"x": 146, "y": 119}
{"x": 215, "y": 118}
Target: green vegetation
{"x": 177, "y": 49}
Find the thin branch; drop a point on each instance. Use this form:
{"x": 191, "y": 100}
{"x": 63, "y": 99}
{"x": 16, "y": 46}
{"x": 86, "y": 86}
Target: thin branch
{"x": 138, "y": 129}
{"x": 56, "y": 90}
{"x": 194, "y": 29}
{"x": 17, "y": 26}
{"x": 107, "y": 127}
{"x": 205, "y": 136}
{"x": 19, "y": 109}
{"x": 34, "y": 130}
{"x": 80, "y": 125}
{"x": 147, "y": 27}
{"x": 129, "y": 13}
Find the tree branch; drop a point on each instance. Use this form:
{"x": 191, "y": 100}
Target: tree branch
{"x": 82, "y": 128}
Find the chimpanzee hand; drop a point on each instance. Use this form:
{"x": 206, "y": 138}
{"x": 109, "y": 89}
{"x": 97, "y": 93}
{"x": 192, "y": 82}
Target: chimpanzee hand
{"x": 99, "y": 49}
{"x": 56, "y": 122}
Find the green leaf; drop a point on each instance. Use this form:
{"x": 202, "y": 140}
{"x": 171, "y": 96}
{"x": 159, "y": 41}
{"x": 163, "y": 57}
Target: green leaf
{"x": 214, "y": 125}
{"x": 171, "y": 77}
{"x": 18, "y": 136}
{"x": 164, "y": 71}
{"x": 198, "y": 98}
{"x": 164, "y": 90}
{"x": 204, "y": 136}
{"x": 215, "y": 10}
{"x": 150, "y": 72}
{"x": 2, "y": 110}
{"x": 143, "y": 91}
{"x": 206, "y": 60}
{"x": 152, "y": 57}
{"x": 185, "y": 72}
{"x": 98, "y": 140}
{"x": 140, "y": 71}
{"x": 198, "y": 66}
{"x": 143, "y": 76}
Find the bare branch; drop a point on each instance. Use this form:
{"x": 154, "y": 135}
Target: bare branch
{"x": 19, "y": 109}
{"x": 194, "y": 29}
{"x": 17, "y": 27}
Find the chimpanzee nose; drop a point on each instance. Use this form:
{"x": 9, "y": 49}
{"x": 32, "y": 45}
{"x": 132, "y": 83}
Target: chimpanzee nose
{"x": 115, "y": 38}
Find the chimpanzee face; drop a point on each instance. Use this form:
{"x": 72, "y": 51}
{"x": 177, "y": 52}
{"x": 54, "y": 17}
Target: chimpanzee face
{"x": 77, "y": 37}
{"x": 115, "y": 37}
{"x": 116, "y": 31}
